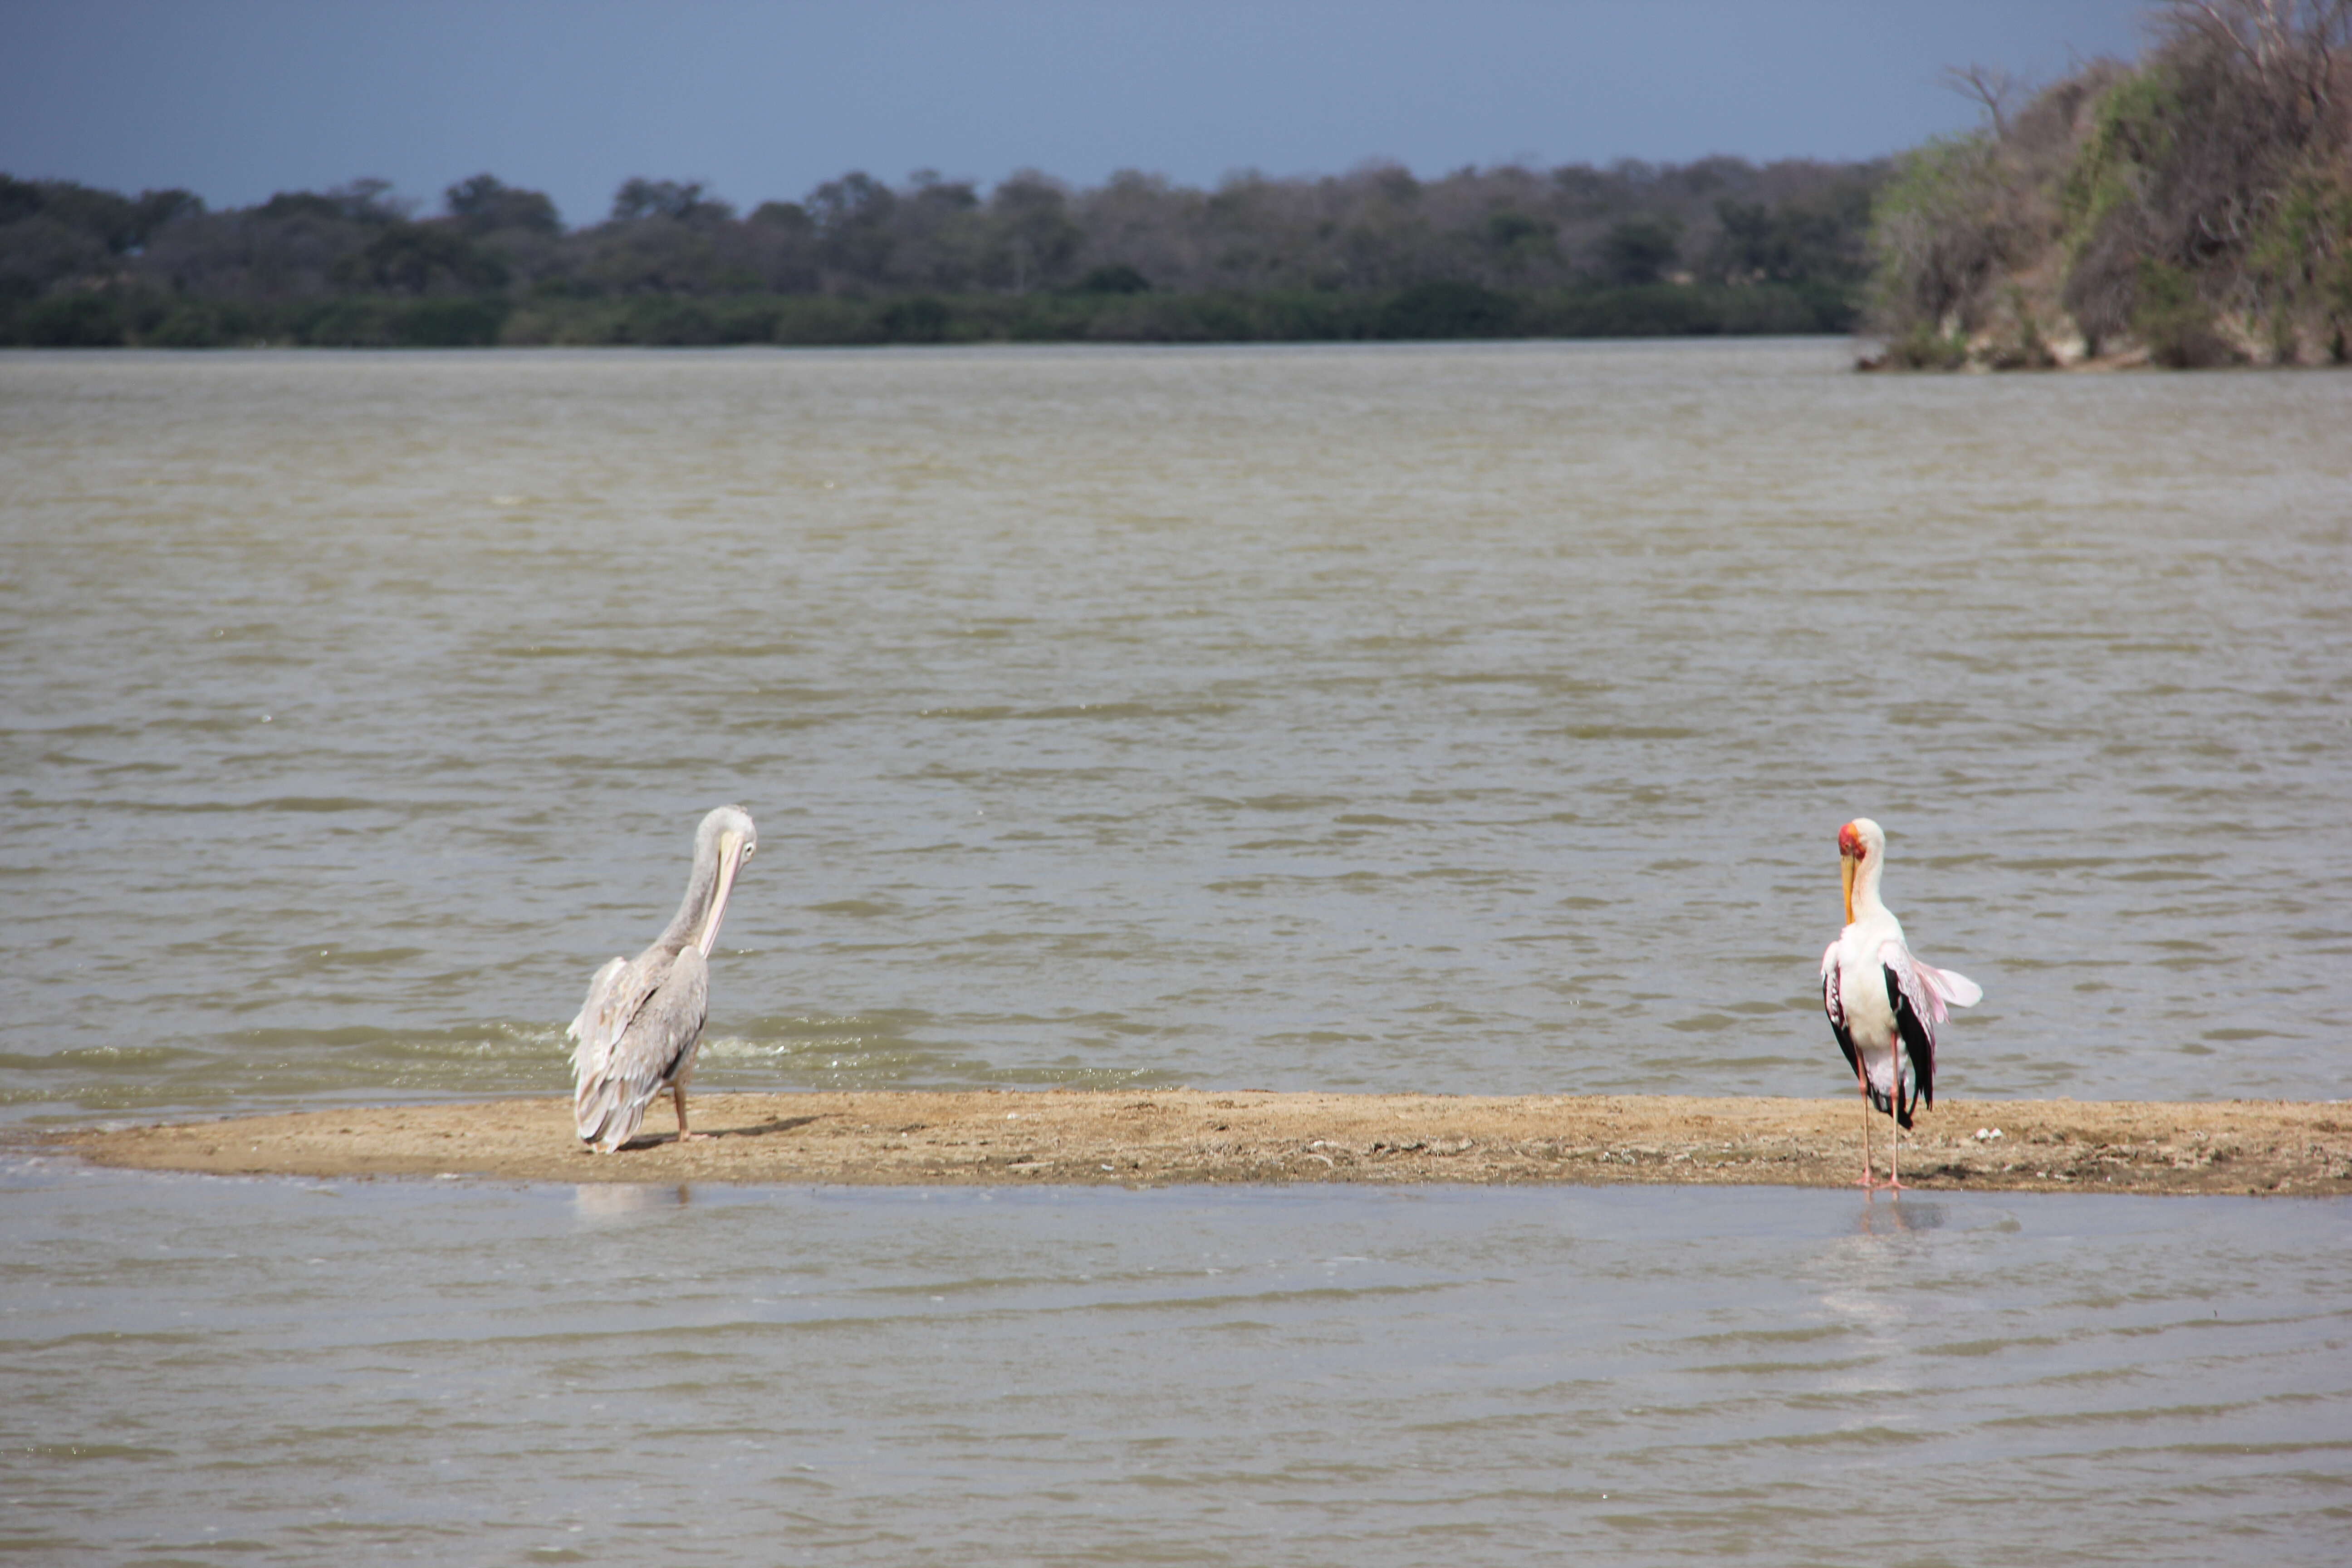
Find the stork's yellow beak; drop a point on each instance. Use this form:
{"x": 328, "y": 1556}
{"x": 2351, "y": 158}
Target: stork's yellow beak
{"x": 1845, "y": 878}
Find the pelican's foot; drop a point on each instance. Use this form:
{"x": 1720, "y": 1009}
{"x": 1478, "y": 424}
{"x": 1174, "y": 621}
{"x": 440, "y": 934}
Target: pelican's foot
{"x": 1866, "y": 1182}
{"x": 686, "y": 1136}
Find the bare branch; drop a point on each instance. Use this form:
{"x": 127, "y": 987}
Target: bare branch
{"x": 1990, "y": 86}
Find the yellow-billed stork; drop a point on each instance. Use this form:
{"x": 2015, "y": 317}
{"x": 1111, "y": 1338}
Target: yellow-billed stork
{"x": 1884, "y": 1004}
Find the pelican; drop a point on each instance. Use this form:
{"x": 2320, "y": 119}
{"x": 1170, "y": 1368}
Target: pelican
{"x": 1883, "y": 1004}
{"x": 638, "y": 1031}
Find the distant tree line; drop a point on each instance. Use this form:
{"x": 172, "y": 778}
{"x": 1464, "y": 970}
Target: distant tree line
{"x": 1717, "y": 246}
{"x": 2193, "y": 208}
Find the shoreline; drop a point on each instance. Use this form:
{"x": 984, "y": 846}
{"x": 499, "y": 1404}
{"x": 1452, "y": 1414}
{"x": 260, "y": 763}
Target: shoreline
{"x": 1182, "y": 1136}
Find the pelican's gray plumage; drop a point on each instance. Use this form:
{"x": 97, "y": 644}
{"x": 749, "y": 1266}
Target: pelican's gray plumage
{"x": 642, "y": 1023}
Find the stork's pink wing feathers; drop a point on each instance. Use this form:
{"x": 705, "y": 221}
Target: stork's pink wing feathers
{"x": 1927, "y": 986}
{"x": 1952, "y": 986}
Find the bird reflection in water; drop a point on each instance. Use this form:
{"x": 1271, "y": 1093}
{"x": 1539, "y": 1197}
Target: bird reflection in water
{"x": 1899, "y": 1219}
{"x": 602, "y": 1203}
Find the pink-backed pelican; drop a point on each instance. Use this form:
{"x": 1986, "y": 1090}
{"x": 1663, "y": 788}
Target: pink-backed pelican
{"x": 637, "y": 1033}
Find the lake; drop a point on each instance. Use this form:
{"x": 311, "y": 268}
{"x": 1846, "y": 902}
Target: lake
{"x": 1447, "y": 719}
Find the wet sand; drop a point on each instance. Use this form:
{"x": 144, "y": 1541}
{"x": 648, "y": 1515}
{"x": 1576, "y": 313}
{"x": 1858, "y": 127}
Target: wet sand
{"x": 1159, "y": 1137}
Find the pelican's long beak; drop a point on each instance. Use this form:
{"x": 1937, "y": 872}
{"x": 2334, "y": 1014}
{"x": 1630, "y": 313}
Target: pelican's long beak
{"x": 731, "y": 860}
{"x": 1845, "y": 876}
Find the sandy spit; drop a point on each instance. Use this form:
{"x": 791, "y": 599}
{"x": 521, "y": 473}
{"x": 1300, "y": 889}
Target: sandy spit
{"x": 1157, "y": 1137}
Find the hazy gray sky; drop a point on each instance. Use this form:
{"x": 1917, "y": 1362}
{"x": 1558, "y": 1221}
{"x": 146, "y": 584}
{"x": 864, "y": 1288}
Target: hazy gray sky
{"x": 239, "y": 99}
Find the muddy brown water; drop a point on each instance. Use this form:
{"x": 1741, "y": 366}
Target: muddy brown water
{"x": 1436, "y": 721}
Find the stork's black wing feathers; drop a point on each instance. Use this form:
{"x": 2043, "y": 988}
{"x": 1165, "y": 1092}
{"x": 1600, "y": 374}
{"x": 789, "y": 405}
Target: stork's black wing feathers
{"x": 1911, "y": 1019}
{"x": 1834, "y": 1005}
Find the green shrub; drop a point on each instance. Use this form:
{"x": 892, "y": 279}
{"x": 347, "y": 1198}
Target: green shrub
{"x": 2301, "y": 258}
{"x": 1924, "y": 348}
{"x": 1448, "y": 309}
{"x": 74, "y": 322}
{"x": 2173, "y": 320}
{"x": 451, "y": 323}
{"x": 1942, "y": 229}
{"x": 924, "y": 318}
{"x": 1116, "y": 279}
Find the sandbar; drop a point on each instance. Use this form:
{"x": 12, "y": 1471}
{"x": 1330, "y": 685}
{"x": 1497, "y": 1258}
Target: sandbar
{"x": 1168, "y": 1136}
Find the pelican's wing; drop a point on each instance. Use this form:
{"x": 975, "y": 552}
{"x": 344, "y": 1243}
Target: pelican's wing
{"x": 615, "y": 999}
{"x": 609, "y": 1105}
{"x": 619, "y": 989}
{"x": 1918, "y": 1009}
{"x": 1833, "y": 1004}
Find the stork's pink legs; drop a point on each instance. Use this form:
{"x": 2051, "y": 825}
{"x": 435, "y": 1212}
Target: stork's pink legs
{"x": 1863, "y": 1080}
{"x": 1895, "y": 1134}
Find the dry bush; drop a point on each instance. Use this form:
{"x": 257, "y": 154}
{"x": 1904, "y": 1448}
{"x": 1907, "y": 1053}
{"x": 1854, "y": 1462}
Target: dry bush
{"x": 2215, "y": 185}
{"x": 2197, "y": 204}
{"x": 1963, "y": 219}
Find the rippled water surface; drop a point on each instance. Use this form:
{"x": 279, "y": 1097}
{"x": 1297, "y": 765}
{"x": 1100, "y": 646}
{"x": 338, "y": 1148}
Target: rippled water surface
{"x": 210, "y": 1371}
{"x": 1394, "y": 719}
{"x": 1470, "y": 720}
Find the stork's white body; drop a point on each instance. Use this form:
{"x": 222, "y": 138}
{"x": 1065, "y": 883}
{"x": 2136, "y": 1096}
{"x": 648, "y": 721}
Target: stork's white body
{"x": 1856, "y": 967}
{"x": 1883, "y": 1004}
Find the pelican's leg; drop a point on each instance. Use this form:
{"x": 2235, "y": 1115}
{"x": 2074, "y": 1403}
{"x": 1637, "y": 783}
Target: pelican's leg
{"x": 1862, "y": 1081}
{"x": 678, "y": 1099}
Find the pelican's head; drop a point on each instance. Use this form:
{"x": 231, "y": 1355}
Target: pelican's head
{"x": 724, "y": 841}
{"x": 1862, "y": 843}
